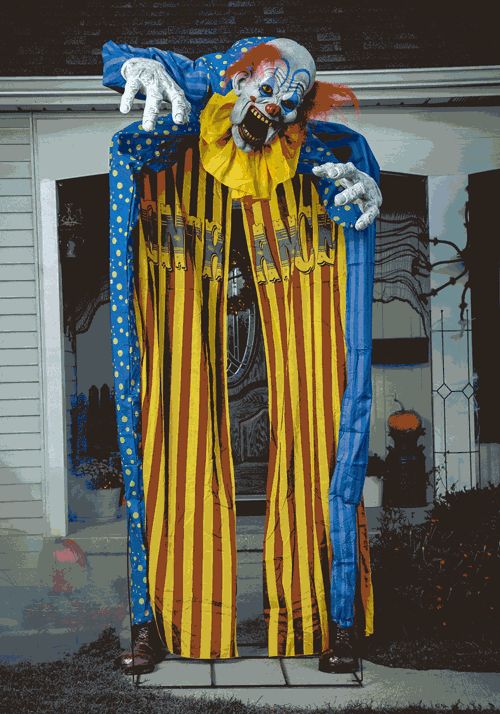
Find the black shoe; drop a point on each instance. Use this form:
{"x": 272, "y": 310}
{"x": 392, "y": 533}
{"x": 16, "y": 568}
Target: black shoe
{"x": 343, "y": 656}
{"x": 146, "y": 651}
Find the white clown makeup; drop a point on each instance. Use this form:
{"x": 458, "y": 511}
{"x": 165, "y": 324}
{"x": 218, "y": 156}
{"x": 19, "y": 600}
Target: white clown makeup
{"x": 270, "y": 95}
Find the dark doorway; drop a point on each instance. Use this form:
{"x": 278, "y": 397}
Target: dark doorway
{"x": 94, "y": 473}
{"x": 247, "y": 377}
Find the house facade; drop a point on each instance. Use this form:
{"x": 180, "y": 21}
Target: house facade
{"x": 432, "y": 118}
{"x": 439, "y": 124}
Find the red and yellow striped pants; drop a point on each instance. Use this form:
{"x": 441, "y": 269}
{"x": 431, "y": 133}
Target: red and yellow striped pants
{"x": 298, "y": 263}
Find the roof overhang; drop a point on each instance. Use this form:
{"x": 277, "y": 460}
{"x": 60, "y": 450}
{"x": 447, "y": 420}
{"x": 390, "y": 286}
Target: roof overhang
{"x": 385, "y": 87}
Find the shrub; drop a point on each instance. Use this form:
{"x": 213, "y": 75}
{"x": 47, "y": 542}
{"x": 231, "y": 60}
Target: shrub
{"x": 440, "y": 578}
{"x": 100, "y": 472}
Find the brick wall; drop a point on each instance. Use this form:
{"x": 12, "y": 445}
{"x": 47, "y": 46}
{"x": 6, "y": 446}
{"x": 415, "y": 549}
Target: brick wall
{"x": 57, "y": 37}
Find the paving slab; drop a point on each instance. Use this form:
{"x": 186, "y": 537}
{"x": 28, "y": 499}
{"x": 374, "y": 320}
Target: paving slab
{"x": 303, "y": 671}
{"x": 252, "y": 651}
{"x": 174, "y": 672}
{"x": 384, "y": 687}
{"x": 253, "y": 672}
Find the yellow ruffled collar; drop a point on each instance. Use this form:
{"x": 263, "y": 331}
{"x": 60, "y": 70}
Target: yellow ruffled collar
{"x": 254, "y": 174}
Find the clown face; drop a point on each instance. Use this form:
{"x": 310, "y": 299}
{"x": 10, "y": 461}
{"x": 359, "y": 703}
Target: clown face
{"x": 270, "y": 95}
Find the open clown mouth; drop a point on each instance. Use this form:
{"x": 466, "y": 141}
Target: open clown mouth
{"x": 254, "y": 128}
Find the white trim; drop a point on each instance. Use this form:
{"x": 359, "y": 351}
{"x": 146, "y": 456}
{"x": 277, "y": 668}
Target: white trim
{"x": 52, "y": 364}
{"x": 372, "y": 86}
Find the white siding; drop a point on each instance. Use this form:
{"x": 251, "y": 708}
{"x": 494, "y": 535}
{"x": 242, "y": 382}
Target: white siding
{"x": 21, "y": 502}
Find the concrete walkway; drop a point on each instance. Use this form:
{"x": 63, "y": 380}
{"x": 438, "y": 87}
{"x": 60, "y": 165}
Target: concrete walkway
{"x": 297, "y": 682}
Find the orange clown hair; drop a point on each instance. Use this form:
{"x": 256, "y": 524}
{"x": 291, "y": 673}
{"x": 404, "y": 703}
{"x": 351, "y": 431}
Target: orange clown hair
{"x": 320, "y": 100}
{"x": 251, "y": 59}
{"x": 326, "y": 96}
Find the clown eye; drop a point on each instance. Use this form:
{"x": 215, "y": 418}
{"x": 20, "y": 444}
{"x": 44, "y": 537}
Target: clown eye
{"x": 288, "y": 104}
{"x": 266, "y": 89}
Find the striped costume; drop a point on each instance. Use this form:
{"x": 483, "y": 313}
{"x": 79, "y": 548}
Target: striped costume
{"x": 170, "y": 236}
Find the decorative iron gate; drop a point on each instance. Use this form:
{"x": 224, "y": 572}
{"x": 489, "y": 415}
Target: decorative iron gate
{"x": 443, "y": 392}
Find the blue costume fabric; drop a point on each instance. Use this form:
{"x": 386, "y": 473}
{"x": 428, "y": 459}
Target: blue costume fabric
{"x": 131, "y": 150}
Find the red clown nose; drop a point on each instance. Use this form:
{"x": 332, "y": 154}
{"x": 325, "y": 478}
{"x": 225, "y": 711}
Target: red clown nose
{"x": 272, "y": 109}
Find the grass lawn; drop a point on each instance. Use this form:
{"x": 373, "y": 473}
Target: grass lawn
{"x": 88, "y": 683}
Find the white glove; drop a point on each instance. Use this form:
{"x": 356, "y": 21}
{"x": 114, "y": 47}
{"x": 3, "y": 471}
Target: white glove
{"x": 151, "y": 79}
{"x": 359, "y": 188}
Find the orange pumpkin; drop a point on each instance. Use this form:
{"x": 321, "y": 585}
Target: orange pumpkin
{"x": 404, "y": 421}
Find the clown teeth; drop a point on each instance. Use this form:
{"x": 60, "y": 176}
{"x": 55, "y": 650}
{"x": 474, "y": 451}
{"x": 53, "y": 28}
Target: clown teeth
{"x": 256, "y": 131}
{"x": 247, "y": 134}
{"x": 260, "y": 116}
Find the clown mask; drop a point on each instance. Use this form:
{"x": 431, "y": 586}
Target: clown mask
{"x": 270, "y": 91}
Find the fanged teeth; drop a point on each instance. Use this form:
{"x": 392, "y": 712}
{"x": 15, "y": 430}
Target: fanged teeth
{"x": 260, "y": 116}
{"x": 247, "y": 135}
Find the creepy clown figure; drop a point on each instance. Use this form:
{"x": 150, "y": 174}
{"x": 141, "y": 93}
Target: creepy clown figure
{"x": 247, "y": 130}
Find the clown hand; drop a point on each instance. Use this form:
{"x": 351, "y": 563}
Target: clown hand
{"x": 359, "y": 188}
{"x": 151, "y": 79}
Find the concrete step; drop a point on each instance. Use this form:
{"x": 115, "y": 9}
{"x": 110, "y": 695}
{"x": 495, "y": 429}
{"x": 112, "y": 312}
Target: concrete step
{"x": 111, "y": 537}
{"x": 30, "y": 607}
{"x": 44, "y": 646}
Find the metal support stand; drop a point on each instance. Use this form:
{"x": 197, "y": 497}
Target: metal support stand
{"x": 357, "y": 680}
{"x": 358, "y": 676}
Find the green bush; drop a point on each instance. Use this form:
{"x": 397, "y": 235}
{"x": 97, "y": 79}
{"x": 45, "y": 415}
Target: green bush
{"x": 440, "y": 579}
